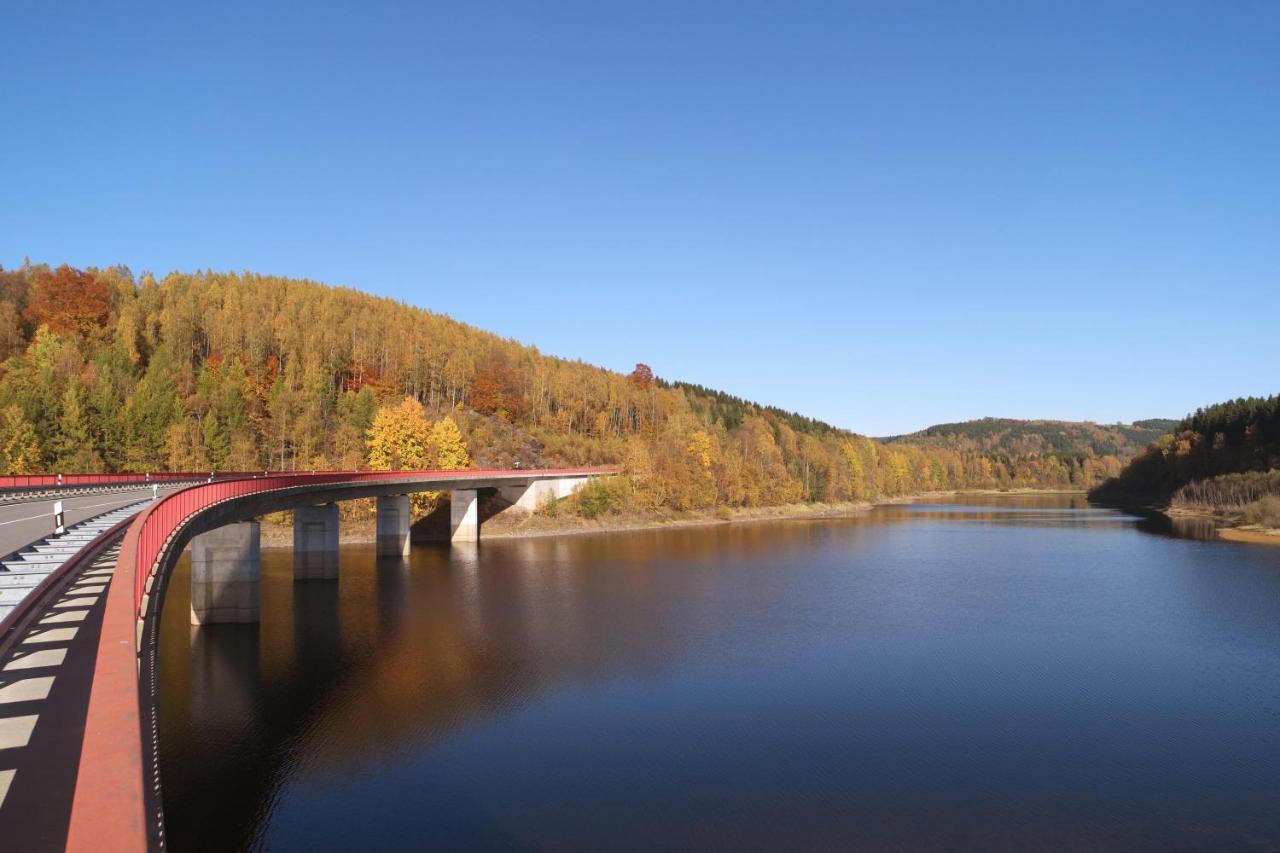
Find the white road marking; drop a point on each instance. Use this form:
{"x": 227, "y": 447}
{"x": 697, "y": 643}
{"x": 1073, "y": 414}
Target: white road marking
{"x": 51, "y": 635}
{"x": 37, "y": 660}
{"x": 87, "y": 601}
{"x": 65, "y": 616}
{"x": 6, "y": 779}
{"x": 26, "y": 689}
{"x": 16, "y": 731}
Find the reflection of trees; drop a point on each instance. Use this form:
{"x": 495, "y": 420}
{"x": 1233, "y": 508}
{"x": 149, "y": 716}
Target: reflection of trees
{"x": 393, "y": 657}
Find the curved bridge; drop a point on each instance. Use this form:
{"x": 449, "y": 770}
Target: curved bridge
{"x": 117, "y": 795}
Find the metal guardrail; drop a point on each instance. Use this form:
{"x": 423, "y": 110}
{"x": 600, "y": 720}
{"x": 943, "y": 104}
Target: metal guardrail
{"x": 45, "y": 481}
{"x": 33, "y": 604}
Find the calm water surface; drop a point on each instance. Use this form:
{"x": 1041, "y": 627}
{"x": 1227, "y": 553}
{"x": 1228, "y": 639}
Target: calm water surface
{"x": 1023, "y": 673}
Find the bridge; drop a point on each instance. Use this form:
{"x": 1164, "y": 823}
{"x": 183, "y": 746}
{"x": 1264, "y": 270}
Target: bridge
{"x": 95, "y": 620}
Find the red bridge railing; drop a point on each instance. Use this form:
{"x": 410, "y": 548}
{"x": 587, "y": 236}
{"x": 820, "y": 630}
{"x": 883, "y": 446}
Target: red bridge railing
{"x": 46, "y": 481}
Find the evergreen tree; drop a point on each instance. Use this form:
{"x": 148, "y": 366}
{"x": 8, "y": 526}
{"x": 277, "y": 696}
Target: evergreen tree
{"x": 74, "y": 444}
{"x": 19, "y": 449}
{"x": 153, "y": 408}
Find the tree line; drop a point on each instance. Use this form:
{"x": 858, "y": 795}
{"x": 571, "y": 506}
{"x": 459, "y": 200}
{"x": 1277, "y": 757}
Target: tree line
{"x": 103, "y": 371}
{"x": 1222, "y": 457}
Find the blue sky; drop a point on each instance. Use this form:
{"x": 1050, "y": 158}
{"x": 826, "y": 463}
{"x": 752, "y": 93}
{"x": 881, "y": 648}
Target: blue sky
{"x": 882, "y": 214}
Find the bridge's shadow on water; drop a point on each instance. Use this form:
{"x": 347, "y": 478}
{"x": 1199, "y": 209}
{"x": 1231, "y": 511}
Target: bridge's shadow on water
{"x": 997, "y": 673}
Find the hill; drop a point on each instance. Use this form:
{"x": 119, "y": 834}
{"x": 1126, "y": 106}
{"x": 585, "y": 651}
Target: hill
{"x": 1220, "y": 459}
{"x": 104, "y": 371}
{"x": 1011, "y": 437}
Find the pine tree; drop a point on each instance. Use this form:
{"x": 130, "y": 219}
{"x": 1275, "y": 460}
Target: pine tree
{"x": 152, "y": 409}
{"x": 74, "y": 444}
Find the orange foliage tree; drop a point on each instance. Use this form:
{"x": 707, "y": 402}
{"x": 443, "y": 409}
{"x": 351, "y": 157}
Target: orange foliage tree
{"x": 68, "y": 300}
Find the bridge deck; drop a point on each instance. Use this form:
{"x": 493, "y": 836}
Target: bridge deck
{"x": 29, "y": 521}
{"x": 21, "y": 573}
{"x": 45, "y": 681}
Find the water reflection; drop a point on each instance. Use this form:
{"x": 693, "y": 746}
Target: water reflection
{"x": 972, "y": 671}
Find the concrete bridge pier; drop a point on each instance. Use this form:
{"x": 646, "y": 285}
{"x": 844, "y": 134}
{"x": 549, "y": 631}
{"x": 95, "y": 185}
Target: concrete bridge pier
{"x": 394, "y": 516}
{"x": 315, "y": 542}
{"x": 225, "y": 571}
{"x": 464, "y": 515}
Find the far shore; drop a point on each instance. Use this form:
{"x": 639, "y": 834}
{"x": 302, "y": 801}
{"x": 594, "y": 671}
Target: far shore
{"x": 361, "y": 531}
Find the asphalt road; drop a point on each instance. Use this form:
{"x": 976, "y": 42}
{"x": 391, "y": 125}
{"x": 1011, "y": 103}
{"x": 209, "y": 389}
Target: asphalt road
{"x": 29, "y": 521}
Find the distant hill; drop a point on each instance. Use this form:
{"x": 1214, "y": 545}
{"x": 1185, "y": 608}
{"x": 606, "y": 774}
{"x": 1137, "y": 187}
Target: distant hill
{"x": 1017, "y": 438}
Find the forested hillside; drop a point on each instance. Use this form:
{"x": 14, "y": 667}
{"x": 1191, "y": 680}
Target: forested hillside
{"x": 100, "y": 371}
{"x": 1223, "y": 458}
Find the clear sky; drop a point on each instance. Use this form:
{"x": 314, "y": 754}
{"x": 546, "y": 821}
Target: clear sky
{"x": 882, "y": 214}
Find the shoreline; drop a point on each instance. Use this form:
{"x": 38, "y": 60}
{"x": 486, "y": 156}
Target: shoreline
{"x": 276, "y": 535}
{"x": 1227, "y": 526}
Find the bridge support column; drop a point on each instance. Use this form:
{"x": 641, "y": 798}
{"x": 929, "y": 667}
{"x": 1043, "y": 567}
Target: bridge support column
{"x": 315, "y": 542}
{"x": 393, "y": 526}
{"x": 464, "y": 515}
{"x": 225, "y": 574}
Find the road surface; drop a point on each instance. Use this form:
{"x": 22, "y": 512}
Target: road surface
{"x": 26, "y": 522}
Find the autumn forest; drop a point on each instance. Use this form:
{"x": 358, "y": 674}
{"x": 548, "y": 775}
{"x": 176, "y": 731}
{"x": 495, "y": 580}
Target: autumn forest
{"x": 105, "y": 371}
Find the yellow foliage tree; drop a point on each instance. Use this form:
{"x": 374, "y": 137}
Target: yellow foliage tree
{"x": 400, "y": 437}
{"x": 447, "y": 446}
{"x": 702, "y": 448}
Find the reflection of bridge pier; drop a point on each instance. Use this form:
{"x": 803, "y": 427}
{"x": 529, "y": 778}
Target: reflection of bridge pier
{"x": 316, "y": 632}
{"x": 225, "y": 677}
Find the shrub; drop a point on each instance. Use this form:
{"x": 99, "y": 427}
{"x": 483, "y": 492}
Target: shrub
{"x": 1265, "y": 512}
{"x": 600, "y": 497}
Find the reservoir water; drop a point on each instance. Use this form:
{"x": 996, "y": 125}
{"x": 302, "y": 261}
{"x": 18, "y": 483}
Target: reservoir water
{"x": 984, "y": 673}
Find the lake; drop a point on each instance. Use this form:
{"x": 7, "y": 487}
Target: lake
{"x": 986, "y": 672}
